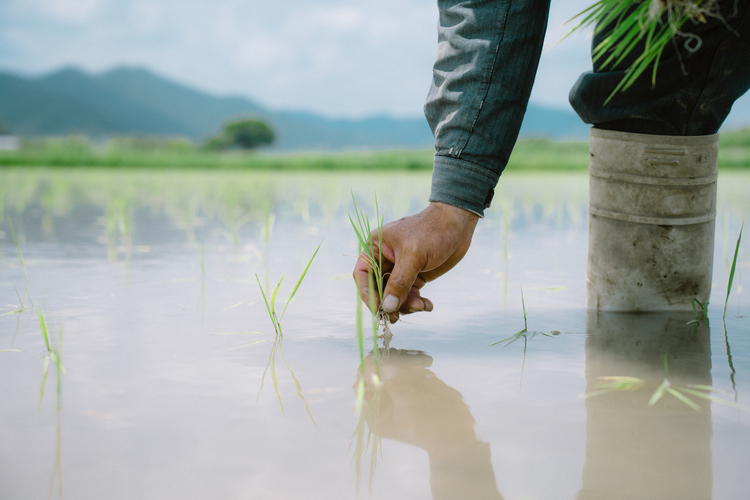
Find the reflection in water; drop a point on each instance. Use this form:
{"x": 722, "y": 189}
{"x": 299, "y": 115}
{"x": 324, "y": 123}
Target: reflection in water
{"x": 276, "y": 349}
{"x": 634, "y": 450}
{"x": 410, "y": 404}
{"x": 118, "y": 225}
{"x": 54, "y": 355}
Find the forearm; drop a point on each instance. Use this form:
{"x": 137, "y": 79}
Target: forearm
{"x": 488, "y": 52}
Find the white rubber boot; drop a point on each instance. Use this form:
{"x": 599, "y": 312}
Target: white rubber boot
{"x": 652, "y": 206}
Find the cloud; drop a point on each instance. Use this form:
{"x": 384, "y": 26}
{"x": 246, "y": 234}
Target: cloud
{"x": 335, "y": 57}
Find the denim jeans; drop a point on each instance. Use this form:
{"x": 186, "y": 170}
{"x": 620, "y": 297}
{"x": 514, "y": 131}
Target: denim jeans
{"x": 488, "y": 52}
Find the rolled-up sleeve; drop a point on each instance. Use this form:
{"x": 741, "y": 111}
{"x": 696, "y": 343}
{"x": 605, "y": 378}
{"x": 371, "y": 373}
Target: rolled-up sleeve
{"x": 488, "y": 52}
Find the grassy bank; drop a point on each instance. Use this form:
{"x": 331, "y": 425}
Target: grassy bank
{"x": 528, "y": 155}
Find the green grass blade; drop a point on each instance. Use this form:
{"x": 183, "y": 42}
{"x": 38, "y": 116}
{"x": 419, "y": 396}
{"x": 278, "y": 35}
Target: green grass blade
{"x": 732, "y": 270}
{"x": 268, "y": 307}
{"x": 658, "y": 393}
{"x": 18, "y": 247}
{"x": 15, "y": 311}
{"x": 299, "y": 281}
{"x": 714, "y": 399}
{"x": 684, "y": 399}
{"x": 273, "y": 297}
{"x": 43, "y": 324}
{"x": 250, "y": 344}
{"x": 240, "y": 333}
{"x": 509, "y": 340}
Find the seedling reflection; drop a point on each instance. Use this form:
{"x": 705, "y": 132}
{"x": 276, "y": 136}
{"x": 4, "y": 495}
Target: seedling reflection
{"x": 279, "y": 339}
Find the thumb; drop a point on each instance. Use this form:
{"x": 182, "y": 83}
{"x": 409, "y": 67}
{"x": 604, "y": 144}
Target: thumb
{"x": 400, "y": 281}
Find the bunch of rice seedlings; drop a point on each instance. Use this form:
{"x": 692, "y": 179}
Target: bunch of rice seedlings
{"x": 627, "y": 22}
{"x": 371, "y": 251}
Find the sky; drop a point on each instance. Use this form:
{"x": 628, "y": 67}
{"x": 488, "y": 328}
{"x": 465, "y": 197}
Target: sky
{"x": 339, "y": 58}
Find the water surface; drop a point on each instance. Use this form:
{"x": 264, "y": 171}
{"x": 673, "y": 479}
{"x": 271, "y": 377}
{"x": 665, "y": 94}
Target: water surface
{"x": 151, "y": 278}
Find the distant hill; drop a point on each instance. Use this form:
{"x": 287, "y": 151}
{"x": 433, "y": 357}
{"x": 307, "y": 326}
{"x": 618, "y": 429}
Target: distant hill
{"x": 134, "y": 101}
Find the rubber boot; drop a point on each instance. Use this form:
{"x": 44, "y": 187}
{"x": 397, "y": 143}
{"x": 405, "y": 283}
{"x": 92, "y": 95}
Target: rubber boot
{"x": 652, "y": 210}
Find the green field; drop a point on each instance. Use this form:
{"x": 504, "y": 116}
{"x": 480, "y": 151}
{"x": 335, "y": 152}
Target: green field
{"x": 528, "y": 155}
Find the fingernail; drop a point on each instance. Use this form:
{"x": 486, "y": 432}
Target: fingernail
{"x": 390, "y": 304}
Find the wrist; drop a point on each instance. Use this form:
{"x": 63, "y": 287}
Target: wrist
{"x": 454, "y": 213}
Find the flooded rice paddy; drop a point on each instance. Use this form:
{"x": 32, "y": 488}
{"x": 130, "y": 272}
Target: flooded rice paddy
{"x": 161, "y": 377}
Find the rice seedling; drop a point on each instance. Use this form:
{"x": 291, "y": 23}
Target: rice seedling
{"x": 732, "y": 270}
{"x": 18, "y": 248}
{"x": 18, "y": 308}
{"x": 525, "y": 333}
{"x": 54, "y": 354}
{"x": 278, "y": 341}
{"x": 271, "y": 305}
{"x": 267, "y": 229}
{"x": 371, "y": 252}
{"x": 628, "y": 22}
{"x": 666, "y": 387}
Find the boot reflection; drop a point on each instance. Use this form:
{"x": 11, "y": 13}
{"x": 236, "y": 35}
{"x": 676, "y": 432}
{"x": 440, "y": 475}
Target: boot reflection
{"x": 417, "y": 408}
{"x": 634, "y": 450}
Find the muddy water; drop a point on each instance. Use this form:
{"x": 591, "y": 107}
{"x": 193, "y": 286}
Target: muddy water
{"x": 147, "y": 283}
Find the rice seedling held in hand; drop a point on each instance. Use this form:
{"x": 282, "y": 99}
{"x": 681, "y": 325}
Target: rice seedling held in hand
{"x": 376, "y": 282}
{"x": 370, "y": 250}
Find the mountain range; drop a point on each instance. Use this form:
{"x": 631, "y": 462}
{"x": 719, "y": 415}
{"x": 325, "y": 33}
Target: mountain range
{"x": 135, "y": 101}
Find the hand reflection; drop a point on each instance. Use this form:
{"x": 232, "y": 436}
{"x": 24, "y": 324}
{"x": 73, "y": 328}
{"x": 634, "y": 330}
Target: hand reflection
{"x": 415, "y": 407}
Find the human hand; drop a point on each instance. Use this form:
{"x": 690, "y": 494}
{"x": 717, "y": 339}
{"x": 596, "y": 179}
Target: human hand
{"x": 416, "y": 250}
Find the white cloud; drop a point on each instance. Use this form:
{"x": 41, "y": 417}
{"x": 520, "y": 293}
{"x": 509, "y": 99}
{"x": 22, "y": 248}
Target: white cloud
{"x": 336, "y": 57}
{"x": 63, "y": 11}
